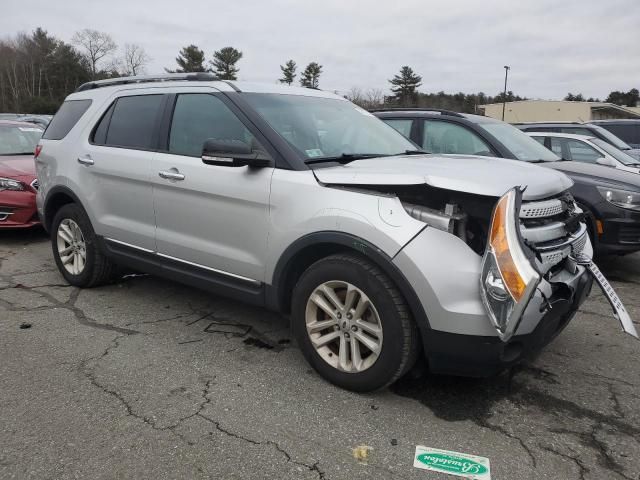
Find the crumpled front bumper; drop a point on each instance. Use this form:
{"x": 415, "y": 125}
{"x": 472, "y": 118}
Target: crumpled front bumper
{"x": 459, "y": 337}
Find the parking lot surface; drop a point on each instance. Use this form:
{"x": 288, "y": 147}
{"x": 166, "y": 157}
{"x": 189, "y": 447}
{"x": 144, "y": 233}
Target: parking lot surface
{"x": 147, "y": 378}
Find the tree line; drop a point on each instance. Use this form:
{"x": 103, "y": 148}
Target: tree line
{"x": 38, "y": 70}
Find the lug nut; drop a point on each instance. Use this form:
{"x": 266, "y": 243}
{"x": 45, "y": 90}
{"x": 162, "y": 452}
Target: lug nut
{"x": 339, "y": 315}
{"x": 354, "y": 328}
{"x": 349, "y": 316}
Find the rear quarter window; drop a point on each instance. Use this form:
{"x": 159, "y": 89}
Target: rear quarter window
{"x": 65, "y": 119}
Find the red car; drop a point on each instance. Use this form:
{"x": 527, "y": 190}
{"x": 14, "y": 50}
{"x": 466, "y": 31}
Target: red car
{"x": 18, "y": 182}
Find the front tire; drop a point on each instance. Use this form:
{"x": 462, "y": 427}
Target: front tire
{"x": 75, "y": 249}
{"x": 352, "y": 324}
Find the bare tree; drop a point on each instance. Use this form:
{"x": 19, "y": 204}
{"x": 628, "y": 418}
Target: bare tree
{"x": 97, "y": 45}
{"x": 355, "y": 95}
{"x": 135, "y": 59}
{"x": 375, "y": 98}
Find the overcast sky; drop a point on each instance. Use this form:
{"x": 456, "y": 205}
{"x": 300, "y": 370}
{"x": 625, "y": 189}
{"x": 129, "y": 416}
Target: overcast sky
{"x": 553, "y": 46}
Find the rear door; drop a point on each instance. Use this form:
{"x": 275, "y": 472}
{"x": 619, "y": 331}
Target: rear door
{"x": 214, "y": 217}
{"x": 115, "y": 168}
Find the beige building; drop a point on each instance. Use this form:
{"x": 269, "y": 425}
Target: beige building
{"x": 552, "y": 110}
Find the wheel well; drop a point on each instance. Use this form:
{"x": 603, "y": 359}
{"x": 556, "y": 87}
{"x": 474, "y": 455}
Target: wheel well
{"x": 55, "y": 203}
{"x": 299, "y": 263}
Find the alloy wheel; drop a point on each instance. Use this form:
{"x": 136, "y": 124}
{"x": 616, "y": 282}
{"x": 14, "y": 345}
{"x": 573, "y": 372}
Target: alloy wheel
{"x": 72, "y": 247}
{"x": 344, "y": 326}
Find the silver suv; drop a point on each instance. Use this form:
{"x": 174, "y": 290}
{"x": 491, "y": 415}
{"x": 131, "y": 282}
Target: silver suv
{"x": 298, "y": 200}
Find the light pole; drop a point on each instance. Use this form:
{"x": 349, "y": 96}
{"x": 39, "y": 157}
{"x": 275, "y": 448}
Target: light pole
{"x": 504, "y": 96}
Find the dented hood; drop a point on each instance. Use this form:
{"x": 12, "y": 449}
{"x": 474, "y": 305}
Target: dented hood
{"x": 463, "y": 173}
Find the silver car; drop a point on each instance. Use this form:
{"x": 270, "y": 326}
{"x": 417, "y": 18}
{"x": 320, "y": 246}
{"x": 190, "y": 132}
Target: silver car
{"x": 297, "y": 200}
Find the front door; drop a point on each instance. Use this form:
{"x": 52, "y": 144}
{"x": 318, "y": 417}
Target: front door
{"x": 210, "y": 216}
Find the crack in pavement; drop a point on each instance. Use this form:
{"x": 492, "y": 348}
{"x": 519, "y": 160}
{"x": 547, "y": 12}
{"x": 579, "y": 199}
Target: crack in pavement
{"x": 583, "y": 469}
{"x": 69, "y": 305}
{"x": 312, "y": 468}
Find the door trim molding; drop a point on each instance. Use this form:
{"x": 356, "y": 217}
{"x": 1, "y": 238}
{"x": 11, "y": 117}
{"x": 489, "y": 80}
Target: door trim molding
{"x": 186, "y": 262}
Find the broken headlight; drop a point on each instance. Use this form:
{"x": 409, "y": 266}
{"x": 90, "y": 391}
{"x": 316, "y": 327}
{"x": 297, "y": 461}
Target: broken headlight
{"x": 508, "y": 279}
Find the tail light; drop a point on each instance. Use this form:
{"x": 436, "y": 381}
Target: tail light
{"x": 37, "y": 151}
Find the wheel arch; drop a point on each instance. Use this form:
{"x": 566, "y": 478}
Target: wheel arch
{"x": 56, "y": 199}
{"x": 313, "y": 247}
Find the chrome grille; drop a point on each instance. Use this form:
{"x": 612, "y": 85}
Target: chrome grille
{"x": 541, "y": 209}
{"x": 547, "y": 234}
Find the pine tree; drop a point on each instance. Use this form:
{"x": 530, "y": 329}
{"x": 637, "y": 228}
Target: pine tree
{"x": 190, "y": 59}
{"x": 224, "y": 63}
{"x": 288, "y": 72}
{"x": 405, "y": 85}
{"x": 311, "y": 75}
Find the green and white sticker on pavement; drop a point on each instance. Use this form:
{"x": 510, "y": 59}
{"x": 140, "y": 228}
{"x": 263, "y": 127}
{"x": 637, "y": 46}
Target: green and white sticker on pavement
{"x": 453, "y": 463}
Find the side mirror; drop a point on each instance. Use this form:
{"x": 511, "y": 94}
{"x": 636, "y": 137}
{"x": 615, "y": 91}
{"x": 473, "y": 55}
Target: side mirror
{"x": 607, "y": 162}
{"x": 231, "y": 153}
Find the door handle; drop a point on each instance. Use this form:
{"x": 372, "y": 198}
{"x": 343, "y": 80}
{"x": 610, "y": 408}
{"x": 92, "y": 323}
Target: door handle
{"x": 85, "y": 160}
{"x": 171, "y": 175}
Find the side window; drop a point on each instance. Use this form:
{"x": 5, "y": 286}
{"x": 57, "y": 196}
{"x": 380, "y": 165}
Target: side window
{"x": 100, "y": 132}
{"x": 629, "y": 133}
{"x": 198, "y": 117}
{"x": 65, "y": 119}
{"x": 581, "y": 152}
{"x": 556, "y": 147}
{"x": 402, "y": 125}
{"x": 133, "y": 122}
{"x": 540, "y": 140}
{"x": 446, "y": 137}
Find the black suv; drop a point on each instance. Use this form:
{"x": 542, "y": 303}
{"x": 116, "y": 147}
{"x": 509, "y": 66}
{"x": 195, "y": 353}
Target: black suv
{"x": 577, "y": 128}
{"x": 626, "y": 129}
{"x": 609, "y": 198}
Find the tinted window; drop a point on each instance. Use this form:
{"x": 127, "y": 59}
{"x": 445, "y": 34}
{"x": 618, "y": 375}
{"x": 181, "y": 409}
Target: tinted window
{"x": 198, "y": 117}
{"x": 100, "y": 133}
{"x": 540, "y": 140}
{"x": 64, "y": 120}
{"x": 401, "y": 125}
{"x": 446, "y": 137}
{"x": 133, "y": 122}
{"x": 628, "y": 132}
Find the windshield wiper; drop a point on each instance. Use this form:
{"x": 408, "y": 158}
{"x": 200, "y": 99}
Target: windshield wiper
{"x": 414, "y": 152}
{"x": 344, "y": 158}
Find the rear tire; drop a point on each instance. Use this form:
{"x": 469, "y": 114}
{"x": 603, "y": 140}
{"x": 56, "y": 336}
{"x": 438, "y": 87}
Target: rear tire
{"x": 343, "y": 300}
{"x": 75, "y": 249}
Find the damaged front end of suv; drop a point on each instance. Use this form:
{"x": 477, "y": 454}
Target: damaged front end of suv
{"x": 499, "y": 275}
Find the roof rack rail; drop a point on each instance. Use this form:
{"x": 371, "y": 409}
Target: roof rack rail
{"x": 167, "y": 77}
{"x": 408, "y": 109}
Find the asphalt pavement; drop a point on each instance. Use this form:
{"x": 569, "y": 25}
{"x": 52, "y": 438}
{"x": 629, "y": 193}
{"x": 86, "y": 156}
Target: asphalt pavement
{"x": 149, "y": 379}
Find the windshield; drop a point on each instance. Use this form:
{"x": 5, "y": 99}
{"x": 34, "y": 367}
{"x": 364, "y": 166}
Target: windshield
{"x": 326, "y": 127}
{"x": 521, "y": 145}
{"x": 16, "y": 140}
{"x": 614, "y": 152}
{"x": 611, "y": 138}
